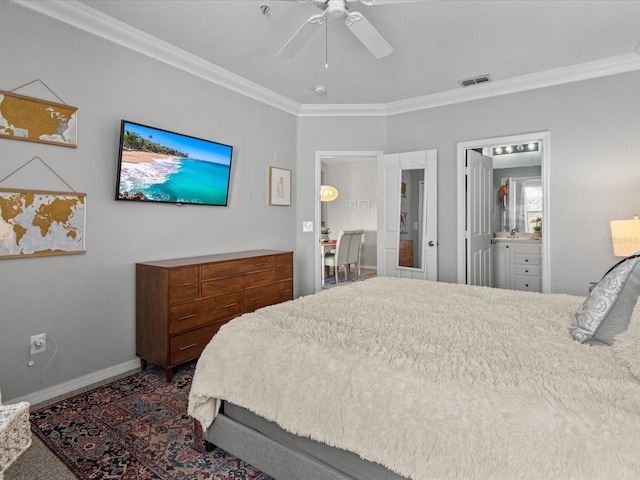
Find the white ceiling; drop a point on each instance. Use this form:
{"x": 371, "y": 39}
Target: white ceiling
{"x": 520, "y": 44}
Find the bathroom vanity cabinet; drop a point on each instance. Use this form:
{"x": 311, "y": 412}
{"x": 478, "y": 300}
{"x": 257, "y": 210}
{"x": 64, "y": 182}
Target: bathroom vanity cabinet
{"x": 517, "y": 265}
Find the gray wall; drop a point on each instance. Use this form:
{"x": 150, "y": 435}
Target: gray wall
{"x": 86, "y": 302}
{"x": 337, "y": 134}
{"x": 594, "y": 165}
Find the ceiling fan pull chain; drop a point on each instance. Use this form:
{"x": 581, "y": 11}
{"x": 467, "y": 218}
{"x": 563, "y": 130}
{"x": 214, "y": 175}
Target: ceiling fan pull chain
{"x": 326, "y": 45}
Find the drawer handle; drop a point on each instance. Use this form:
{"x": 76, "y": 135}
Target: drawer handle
{"x": 254, "y": 299}
{"x": 222, "y": 269}
{"x": 187, "y": 316}
{"x": 188, "y": 347}
{"x": 526, "y": 259}
{"x": 231, "y": 305}
{"x": 259, "y": 264}
{"x": 261, "y": 279}
{"x": 526, "y": 271}
{"x": 185, "y": 284}
{"x": 285, "y": 291}
{"x": 526, "y": 284}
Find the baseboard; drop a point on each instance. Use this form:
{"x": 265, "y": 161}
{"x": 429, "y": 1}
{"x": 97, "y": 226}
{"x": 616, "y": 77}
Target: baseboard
{"x": 77, "y": 383}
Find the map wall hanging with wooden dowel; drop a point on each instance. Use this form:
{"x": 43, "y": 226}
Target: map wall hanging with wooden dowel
{"x": 39, "y": 223}
{"x": 34, "y": 120}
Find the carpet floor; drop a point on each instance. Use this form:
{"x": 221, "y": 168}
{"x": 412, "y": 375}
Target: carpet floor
{"x": 135, "y": 427}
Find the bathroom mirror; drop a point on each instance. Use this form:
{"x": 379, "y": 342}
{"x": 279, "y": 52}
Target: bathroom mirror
{"x": 411, "y": 218}
{"x": 519, "y": 199}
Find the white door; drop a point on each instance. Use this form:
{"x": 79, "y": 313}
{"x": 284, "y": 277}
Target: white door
{"x": 388, "y": 208}
{"x": 479, "y": 232}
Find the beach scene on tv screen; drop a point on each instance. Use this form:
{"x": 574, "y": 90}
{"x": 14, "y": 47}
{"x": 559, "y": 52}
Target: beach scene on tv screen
{"x": 162, "y": 166}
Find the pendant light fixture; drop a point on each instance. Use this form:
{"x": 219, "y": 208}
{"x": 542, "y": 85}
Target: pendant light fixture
{"x": 328, "y": 193}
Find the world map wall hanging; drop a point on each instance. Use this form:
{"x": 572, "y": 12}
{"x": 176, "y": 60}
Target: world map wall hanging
{"x": 38, "y": 223}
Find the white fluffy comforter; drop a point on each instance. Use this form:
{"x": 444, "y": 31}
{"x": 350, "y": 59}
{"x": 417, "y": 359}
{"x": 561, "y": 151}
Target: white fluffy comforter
{"x": 435, "y": 380}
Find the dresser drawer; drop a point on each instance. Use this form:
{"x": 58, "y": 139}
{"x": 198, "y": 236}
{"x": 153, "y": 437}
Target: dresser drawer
{"x": 183, "y": 284}
{"x": 257, "y": 263}
{"x": 284, "y": 267}
{"x": 259, "y": 278}
{"x": 236, "y": 267}
{"x": 527, "y": 270}
{"x": 258, "y": 297}
{"x": 220, "y": 269}
{"x": 532, "y": 284}
{"x": 223, "y": 285}
{"x": 195, "y": 314}
{"x": 191, "y": 344}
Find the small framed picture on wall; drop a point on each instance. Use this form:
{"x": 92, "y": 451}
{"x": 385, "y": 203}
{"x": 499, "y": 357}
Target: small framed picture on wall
{"x": 279, "y": 186}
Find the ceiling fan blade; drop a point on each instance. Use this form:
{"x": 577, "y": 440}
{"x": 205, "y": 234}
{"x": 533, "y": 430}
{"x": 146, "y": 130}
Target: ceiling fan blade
{"x": 391, "y": 2}
{"x": 368, "y": 35}
{"x": 301, "y": 37}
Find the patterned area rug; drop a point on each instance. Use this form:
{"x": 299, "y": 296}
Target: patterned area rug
{"x": 135, "y": 428}
{"x": 365, "y": 273}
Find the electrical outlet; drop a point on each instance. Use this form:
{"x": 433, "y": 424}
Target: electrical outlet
{"x": 38, "y": 343}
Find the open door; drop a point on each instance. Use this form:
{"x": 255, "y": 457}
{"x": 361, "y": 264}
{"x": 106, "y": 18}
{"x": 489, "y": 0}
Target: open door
{"x": 479, "y": 232}
{"x": 408, "y": 215}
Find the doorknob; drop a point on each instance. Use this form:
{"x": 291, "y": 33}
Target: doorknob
{"x": 431, "y": 244}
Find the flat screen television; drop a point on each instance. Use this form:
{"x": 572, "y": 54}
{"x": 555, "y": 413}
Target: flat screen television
{"x": 156, "y": 165}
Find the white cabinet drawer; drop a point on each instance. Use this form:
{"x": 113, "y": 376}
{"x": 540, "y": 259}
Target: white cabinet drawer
{"x": 532, "y": 248}
{"x": 531, "y": 284}
{"x": 525, "y": 259}
{"x": 528, "y": 270}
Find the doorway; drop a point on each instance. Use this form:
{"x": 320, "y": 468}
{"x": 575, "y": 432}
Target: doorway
{"x": 334, "y": 157}
{"x": 542, "y": 138}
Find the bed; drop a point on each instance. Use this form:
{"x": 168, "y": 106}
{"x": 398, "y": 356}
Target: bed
{"x": 396, "y": 378}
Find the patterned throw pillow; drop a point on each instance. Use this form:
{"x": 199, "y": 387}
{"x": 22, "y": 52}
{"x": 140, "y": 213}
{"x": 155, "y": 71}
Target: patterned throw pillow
{"x": 607, "y": 310}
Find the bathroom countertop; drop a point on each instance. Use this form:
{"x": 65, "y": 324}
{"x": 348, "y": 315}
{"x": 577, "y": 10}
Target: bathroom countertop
{"x": 517, "y": 240}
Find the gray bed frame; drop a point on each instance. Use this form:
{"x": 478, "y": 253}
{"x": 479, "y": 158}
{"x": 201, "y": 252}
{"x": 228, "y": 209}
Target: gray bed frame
{"x": 285, "y": 456}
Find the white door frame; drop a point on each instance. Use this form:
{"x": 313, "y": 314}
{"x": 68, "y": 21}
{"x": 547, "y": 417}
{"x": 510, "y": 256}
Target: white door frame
{"x": 338, "y": 156}
{"x": 545, "y": 145}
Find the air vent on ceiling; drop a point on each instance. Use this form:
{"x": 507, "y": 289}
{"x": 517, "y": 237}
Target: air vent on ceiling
{"x": 467, "y": 82}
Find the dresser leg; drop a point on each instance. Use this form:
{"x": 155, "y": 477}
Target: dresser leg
{"x": 143, "y": 364}
{"x": 169, "y": 374}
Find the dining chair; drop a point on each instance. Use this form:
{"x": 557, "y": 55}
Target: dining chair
{"x": 347, "y": 253}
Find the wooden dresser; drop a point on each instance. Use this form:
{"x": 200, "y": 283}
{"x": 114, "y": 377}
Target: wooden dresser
{"x": 405, "y": 254}
{"x": 181, "y": 303}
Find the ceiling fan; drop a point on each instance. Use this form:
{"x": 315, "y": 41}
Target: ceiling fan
{"x": 355, "y": 21}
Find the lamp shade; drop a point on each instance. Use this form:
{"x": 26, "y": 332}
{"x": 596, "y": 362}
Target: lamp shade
{"x": 625, "y": 235}
{"x": 328, "y": 193}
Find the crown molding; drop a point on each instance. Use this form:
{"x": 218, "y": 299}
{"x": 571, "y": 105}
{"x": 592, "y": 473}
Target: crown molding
{"x": 90, "y": 20}
{"x": 559, "y": 76}
{"x": 575, "y": 73}
{"x": 343, "y": 110}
